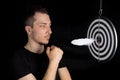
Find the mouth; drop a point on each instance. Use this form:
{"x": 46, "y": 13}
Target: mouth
{"x": 47, "y": 37}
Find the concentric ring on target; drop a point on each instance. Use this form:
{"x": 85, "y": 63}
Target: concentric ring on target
{"x": 103, "y": 32}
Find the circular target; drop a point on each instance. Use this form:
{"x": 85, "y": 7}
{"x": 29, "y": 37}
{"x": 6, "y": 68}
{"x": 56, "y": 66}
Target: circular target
{"x": 105, "y": 39}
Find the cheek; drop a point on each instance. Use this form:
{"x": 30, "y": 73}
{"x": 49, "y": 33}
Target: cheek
{"x": 39, "y": 34}
{"x": 37, "y": 31}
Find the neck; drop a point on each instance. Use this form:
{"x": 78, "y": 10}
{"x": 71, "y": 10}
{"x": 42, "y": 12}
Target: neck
{"x": 34, "y": 48}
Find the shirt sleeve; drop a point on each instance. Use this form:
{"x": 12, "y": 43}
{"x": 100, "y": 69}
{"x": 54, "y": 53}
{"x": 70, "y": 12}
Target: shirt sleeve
{"x": 20, "y": 65}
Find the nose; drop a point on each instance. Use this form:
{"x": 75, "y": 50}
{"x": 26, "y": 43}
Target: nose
{"x": 49, "y": 30}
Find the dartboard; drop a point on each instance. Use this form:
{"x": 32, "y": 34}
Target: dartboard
{"x": 105, "y": 42}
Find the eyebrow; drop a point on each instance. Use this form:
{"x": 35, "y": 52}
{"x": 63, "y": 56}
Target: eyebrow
{"x": 43, "y": 23}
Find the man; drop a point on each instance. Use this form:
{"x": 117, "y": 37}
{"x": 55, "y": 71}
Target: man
{"x": 36, "y": 61}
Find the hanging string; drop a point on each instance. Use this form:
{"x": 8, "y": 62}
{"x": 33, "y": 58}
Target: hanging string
{"x": 100, "y": 14}
{"x": 100, "y": 10}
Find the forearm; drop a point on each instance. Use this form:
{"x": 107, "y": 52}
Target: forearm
{"x": 64, "y": 74}
{"x": 51, "y": 71}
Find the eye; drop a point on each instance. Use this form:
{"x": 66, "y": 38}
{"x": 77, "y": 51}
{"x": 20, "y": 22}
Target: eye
{"x": 42, "y": 25}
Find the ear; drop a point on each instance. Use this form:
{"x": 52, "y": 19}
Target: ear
{"x": 28, "y": 29}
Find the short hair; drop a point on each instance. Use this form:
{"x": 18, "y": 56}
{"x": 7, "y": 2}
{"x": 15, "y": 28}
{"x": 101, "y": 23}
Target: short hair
{"x": 30, "y": 19}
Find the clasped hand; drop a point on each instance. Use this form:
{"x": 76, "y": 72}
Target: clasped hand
{"x": 54, "y": 53}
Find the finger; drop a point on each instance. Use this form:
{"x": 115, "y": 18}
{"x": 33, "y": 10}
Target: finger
{"x": 48, "y": 50}
{"x": 52, "y": 47}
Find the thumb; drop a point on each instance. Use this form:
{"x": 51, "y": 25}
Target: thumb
{"x": 48, "y": 50}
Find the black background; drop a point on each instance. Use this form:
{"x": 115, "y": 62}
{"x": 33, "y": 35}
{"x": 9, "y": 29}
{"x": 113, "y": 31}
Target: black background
{"x": 70, "y": 20}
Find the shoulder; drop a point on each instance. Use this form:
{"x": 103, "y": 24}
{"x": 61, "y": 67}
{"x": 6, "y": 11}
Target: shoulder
{"x": 18, "y": 54}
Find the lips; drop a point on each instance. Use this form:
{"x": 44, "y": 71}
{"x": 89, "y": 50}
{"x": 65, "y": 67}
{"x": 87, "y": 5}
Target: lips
{"x": 47, "y": 37}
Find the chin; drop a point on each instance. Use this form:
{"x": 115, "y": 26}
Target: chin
{"x": 46, "y": 43}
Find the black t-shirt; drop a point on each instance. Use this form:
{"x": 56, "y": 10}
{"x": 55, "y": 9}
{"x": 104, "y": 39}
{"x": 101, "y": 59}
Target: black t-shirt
{"x": 25, "y": 62}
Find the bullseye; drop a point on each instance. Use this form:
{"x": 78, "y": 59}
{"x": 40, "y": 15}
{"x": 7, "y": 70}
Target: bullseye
{"x": 103, "y": 32}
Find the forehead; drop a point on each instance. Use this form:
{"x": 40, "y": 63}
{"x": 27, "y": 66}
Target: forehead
{"x": 42, "y": 17}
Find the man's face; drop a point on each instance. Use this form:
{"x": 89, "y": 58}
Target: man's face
{"x": 41, "y": 29}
